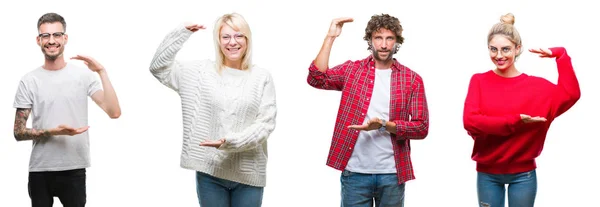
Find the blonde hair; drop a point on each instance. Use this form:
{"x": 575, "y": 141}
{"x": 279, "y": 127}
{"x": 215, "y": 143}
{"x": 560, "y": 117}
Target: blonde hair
{"x": 507, "y": 29}
{"x": 238, "y": 23}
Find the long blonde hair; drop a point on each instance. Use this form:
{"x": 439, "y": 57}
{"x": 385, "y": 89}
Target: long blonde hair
{"x": 238, "y": 23}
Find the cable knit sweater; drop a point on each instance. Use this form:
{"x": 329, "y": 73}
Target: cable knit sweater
{"x": 238, "y": 105}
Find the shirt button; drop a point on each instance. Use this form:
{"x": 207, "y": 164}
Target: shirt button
{"x": 367, "y": 99}
{"x": 363, "y": 114}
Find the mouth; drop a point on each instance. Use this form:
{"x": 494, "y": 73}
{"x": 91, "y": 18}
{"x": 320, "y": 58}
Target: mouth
{"x": 501, "y": 61}
{"x": 52, "y": 47}
{"x": 236, "y": 49}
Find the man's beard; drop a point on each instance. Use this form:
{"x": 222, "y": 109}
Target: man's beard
{"x": 52, "y": 57}
{"x": 389, "y": 57}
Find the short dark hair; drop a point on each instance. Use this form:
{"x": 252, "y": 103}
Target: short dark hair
{"x": 384, "y": 21}
{"x": 51, "y": 18}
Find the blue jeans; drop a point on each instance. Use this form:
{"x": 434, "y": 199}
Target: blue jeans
{"x": 213, "y": 191}
{"x": 522, "y": 188}
{"x": 362, "y": 190}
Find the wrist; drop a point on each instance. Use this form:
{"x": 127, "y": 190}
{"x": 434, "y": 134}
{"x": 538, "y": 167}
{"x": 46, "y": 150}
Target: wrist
{"x": 102, "y": 71}
{"x": 383, "y": 124}
{"x": 50, "y": 132}
{"x": 329, "y": 38}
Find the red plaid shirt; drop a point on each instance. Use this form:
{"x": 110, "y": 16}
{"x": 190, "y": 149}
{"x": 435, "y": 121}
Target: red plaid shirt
{"x": 408, "y": 109}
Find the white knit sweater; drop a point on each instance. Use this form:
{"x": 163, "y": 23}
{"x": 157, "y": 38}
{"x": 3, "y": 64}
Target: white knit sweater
{"x": 238, "y": 105}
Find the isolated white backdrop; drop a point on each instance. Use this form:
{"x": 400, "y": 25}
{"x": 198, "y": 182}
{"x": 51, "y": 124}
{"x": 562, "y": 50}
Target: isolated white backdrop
{"x": 135, "y": 159}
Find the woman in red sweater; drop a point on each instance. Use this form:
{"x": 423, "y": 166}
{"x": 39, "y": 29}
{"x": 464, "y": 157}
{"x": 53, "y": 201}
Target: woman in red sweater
{"x": 508, "y": 113}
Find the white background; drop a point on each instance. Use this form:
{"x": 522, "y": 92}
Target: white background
{"x": 135, "y": 159}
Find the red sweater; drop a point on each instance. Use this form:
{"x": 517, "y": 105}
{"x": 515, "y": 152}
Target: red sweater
{"x": 503, "y": 143}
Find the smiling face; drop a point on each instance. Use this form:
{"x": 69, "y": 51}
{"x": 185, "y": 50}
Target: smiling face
{"x": 503, "y": 52}
{"x": 233, "y": 45}
{"x": 52, "y": 40}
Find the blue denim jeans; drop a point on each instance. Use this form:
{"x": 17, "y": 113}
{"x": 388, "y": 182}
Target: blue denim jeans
{"x": 213, "y": 191}
{"x": 522, "y": 188}
{"x": 362, "y": 190}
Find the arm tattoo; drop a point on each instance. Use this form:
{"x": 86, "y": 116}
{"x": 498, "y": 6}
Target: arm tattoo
{"x": 21, "y": 131}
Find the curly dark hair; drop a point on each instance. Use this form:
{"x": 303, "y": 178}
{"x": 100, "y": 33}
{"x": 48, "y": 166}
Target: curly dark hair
{"x": 384, "y": 21}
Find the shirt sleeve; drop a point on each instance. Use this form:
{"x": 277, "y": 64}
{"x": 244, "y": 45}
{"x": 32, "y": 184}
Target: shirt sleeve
{"x": 94, "y": 84}
{"x": 332, "y": 79}
{"x": 24, "y": 96}
{"x": 264, "y": 124}
{"x": 567, "y": 91}
{"x": 478, "y": 124}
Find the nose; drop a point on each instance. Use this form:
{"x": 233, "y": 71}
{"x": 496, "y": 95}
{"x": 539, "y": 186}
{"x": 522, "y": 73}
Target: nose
{"x": 51, "y": 40}
{"x": 232, "y": 42}
{"x": 384, "y": 45}
{"x": 499, "y": 55}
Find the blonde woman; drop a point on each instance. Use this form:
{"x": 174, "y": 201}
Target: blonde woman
{"x": 508, "y": 113}
{"x": 229, "y": 111}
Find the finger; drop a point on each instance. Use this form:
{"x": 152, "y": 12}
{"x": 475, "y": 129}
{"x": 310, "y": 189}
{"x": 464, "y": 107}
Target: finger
{"x": 85, "y": 59}
{"x": 210, "y": 144}
{"x": 548, "y": 52}
{"x": 344, "y": 19}
{"x": 356, "y": 127}
{"x": 82, "y": 57}
{"x": 189, "y": 24}
{"x": 81, "y": 130}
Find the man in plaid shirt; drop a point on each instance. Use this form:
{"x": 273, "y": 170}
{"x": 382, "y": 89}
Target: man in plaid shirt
{"x": 383, "y": 107}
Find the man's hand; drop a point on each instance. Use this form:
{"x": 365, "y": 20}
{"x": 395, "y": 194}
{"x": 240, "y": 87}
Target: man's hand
{"x": 528, "y": 119}
{"x": 67, "y": 130}
{"x": 336, "y": 26}
{"x": 374, "y": 123}
{"x": 194, "y": 27}
{"x": 213, "y": 143}
{"x": 92, "y": 64}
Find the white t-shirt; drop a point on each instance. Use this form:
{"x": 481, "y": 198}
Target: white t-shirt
{"x": 55, "y": 98}
{"x": 373, "y": 152}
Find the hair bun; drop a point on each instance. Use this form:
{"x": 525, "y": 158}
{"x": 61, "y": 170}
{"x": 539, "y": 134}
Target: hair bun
{"x": 508, "y": 19}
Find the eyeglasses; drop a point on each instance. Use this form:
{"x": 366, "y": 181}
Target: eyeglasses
{"x": 238, "y": 38}
{"x": 504, "y": 51}
{"x": 46, "y": 36}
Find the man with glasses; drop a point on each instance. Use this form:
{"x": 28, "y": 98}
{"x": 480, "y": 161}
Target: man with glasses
{"x": 383, "y": 107}
{"x": 55, "y": 94}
